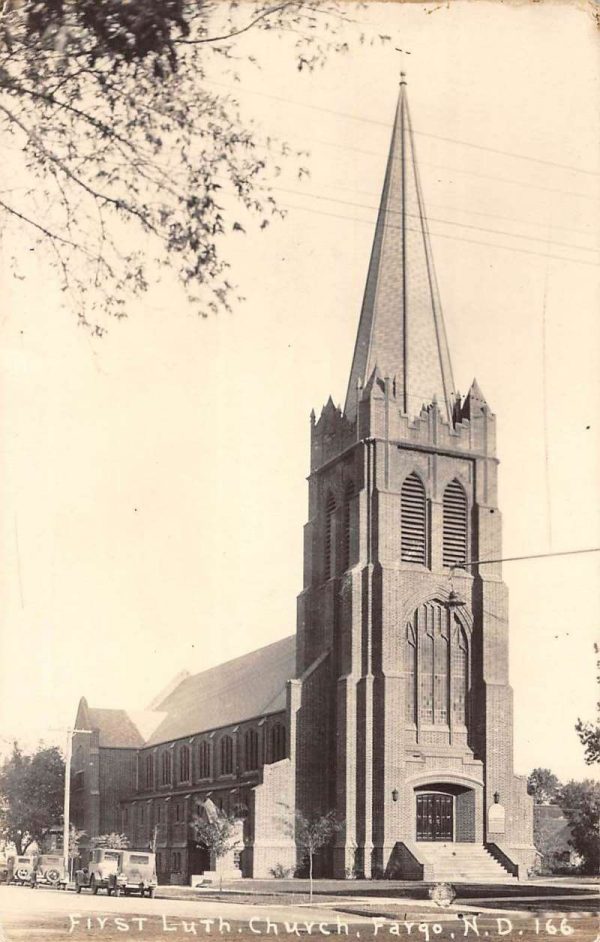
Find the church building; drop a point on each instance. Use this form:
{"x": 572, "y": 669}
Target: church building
{"x": 391, "y": 705}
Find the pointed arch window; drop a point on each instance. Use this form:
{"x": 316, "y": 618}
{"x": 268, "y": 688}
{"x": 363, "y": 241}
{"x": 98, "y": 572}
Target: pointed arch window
{"x": 436, "y": 668}
{"x": 410, "y": 664}
{"x": 226, "y": 755}
{"x": 460, "y": 674}
{"x": 204, "y": 759}
{"x": 166, "y": 768}
{"x": 328, "y": 555}
{"x": 413, "y": 543}
{"x": 454, "y": 512}
{"x": 251, "y": 750}
{"x": 348, "y": 498}
{"x": 149, "y": 769}
{"x": 184, "y": 764}
{"x": 278, "y": 742}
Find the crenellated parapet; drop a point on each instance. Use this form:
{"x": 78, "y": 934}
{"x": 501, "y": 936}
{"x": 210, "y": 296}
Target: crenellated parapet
{"x": 332, "y": 434}
{"x": 471, "y": 430}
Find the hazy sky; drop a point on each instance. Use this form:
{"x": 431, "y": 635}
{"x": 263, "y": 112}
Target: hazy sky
{"x": 153, "y": 482}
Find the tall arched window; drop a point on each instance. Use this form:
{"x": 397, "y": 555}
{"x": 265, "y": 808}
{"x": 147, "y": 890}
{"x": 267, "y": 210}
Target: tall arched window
{"x": 166, "y": 767}
{"x": 204, "y": 759}
{"x": 460, "y": 674}
{"x": 149, "y": 769}
{"x": 454, "y": 506}
{"x": 328, "y": 548}
{"x": 413, "y": 542}
{"x": 184, "y": 764}
{"x": 251, "y": 750}
{"x": 410, "y": 664}
{"x": 278, "y": 742}
{"x": 436, "y": 668}
{"x": 226, "y": 755}
{"x": 348, "y": 496}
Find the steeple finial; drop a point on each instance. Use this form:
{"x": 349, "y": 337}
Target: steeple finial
{"x": 403, "y": 54}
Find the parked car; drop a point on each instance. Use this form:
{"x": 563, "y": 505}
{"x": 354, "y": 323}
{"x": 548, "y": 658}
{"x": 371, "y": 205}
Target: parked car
{"x": 119, "y": 871}
{"x": 20, "y": 870}
{"x": 138, "y": 872}
{"x": 3, "y": 869}
{"x": 101, "y": 872}
{"x": 51, "y": 871}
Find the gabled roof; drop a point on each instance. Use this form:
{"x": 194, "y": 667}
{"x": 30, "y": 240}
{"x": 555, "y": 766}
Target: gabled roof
{"x": 248, "y": 686}
{"x": 118, "y": 729}
{"x": 401, "y": 328}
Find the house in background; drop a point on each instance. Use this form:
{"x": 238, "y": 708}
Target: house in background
{"x": 392, "y": 705}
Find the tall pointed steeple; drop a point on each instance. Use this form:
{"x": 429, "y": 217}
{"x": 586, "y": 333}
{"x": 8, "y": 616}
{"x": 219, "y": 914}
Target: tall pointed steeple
{"x": 401, "y": 329}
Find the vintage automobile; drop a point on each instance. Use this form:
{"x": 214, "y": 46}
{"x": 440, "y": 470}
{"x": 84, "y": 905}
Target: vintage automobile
{"x": 50, "y": 871}
{"x": 101, "y": 872}
{"x": 20, "y": 870}
{"x": 119, "y": 871}
{"x": 137, "y": 873}
{"x": 3, "y": 869}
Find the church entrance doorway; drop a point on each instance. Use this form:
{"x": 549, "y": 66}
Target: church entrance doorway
{"x": 435, "y": 817}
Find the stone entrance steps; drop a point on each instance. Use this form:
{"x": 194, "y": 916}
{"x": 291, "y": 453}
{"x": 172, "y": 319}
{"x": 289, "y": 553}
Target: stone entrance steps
{"x": 460, "y": 862}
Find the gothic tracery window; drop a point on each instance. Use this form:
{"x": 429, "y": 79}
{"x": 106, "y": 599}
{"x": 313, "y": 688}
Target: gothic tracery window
{"x": 413, "y": 537}
{"x": 436, "y": 668}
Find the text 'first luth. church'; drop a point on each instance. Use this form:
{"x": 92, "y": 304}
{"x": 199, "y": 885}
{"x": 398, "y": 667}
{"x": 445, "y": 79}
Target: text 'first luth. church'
{"x": 391, "y": 705}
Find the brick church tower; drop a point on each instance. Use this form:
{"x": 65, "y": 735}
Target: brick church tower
{"x": 402, "y": 704}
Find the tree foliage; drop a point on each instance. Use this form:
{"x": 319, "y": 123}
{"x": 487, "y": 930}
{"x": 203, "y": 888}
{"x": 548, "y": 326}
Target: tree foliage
{"x": 112, "y": 841}
{"x": 580, "y": 803}
{"x": 313, "y": 833}
{"x": 32, "y": 791}
{"x": 139, "y": 159}
{"x": 218, "y": 833}
{"x": 544, "y": 786}
{"x": 589, "y": 732}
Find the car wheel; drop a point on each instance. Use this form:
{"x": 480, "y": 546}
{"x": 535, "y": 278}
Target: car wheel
{"x": 117, "y": 890}
{"x": 151, "y": 891}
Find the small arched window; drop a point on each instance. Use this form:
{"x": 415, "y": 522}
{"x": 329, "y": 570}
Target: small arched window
{"x": 278, "y": 742}
{"x": 348, "y": 496}
{"x": 204, "y": 759}
{"x": 328, "y": 547}
{"x": 413, "y": 542}
{"x": 454, "y": 550}
{"x": 184, "y": 764}
{"x": 251, "y": 750}
{"x": 166, "y": 768}
{"x": 226, "y": 755}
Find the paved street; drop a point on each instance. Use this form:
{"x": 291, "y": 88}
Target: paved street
{"x": 50, "y": 916}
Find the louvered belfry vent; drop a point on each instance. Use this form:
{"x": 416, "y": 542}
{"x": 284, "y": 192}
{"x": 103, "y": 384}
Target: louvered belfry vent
{"x": 455, "y": 525}
{"x": 414, "y": 521}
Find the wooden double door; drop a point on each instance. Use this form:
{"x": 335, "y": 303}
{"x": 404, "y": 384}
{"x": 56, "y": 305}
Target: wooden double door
{"x": 435, "y": 817}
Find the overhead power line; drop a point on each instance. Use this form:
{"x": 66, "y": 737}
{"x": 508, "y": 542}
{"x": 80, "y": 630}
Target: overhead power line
{"x": 439, "y": 137}
{"x": 461, "y": 209}
{"x": 446, "y": 222}
{"x": 514, "y": 559}
{"x": 442, "y": 235}
{"x": 470, "y": 173}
